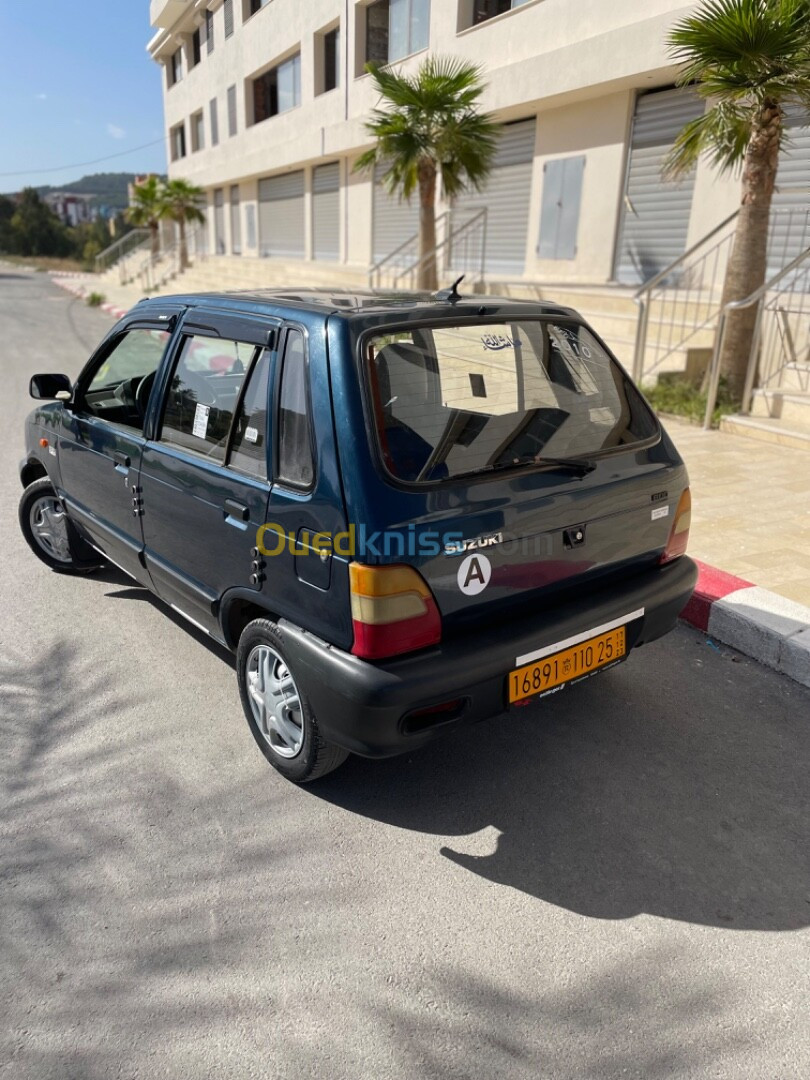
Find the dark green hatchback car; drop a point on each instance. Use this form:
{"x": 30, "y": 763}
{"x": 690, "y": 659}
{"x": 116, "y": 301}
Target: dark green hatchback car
{"x": 402, "y": 512}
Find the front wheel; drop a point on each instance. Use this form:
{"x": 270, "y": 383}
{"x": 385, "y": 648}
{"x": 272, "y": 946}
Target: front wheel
{"x": 276, "y": 709}
{"x": 49, "y": 533}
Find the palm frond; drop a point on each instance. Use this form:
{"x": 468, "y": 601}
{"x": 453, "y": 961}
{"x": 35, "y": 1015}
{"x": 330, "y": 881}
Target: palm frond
{"x": 430, "y": 116}
{"x": 744, "y": 48}
{"x": 722, "y": 134}
{"x": 745, "y": 57}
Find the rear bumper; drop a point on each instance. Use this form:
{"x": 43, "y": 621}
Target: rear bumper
{"x": 361, "y": 706}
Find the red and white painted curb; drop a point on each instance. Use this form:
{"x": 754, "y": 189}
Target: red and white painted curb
{"x": 768, "y": 627}
{"x": 78, "y": 286}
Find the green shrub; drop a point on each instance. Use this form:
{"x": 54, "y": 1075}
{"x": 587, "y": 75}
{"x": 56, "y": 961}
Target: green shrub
{"x": 683, "y": 398}
{"x": 96, "y": 299}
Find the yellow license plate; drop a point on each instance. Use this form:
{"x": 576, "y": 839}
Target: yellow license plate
{"x": 568, "y": 664}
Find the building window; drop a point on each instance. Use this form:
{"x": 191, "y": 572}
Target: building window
{"x": 278, "y": 90}
{"x": 196, "y": 48}
{"x": 482, "y": 10}
{"x": 175, "y": 69}
{"x": 228, "y": 14}
{"x": 209, "y": 31}
{"x": 255, "y": 5}
{"x": 177, "y": 142}
{"x": 197, "y": 132}
{"x": 214, "y": 122}
{"x": 396, "y": 28}
{"x": 331, "y": 60}
{"x": 231, "y": 110}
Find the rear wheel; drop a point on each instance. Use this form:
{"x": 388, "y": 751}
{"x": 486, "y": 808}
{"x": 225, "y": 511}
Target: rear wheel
{"x": 50, "y": 534}
{"x": 276, "y": 709}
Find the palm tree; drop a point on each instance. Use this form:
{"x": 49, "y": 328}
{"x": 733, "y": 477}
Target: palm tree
{"x": 180, "y": 202}
{"x": 430, "y": 128}
{"x": 145, "y": 211}
{"x": 749, "y": 58}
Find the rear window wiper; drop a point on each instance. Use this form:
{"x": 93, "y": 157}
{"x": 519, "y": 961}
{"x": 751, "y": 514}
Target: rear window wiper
{"x": 577, "y": 465}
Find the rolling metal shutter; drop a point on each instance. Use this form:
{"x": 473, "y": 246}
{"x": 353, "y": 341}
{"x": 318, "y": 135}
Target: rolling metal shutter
{"x": 394, "y": 220}
{"x": 655, "y": 213}
{"x": 506, "y": 198}
{"x": 790, "y": 234}
{"x": 219, "y": 221}
{"x": 236, "y": 221}
{"x": 281, "y": 216}
{"x": 326, "y": 211}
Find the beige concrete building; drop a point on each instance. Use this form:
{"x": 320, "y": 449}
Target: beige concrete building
{"x": 266, "y": 100}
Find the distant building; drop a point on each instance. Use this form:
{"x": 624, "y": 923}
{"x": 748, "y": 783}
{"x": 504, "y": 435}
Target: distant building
{"x": 70, "y": 208}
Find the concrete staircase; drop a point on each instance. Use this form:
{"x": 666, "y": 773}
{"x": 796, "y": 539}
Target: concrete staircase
{"x": 780, "y": 415}
{"x": 224, "y": 273}
{"x": 612, "y": 312}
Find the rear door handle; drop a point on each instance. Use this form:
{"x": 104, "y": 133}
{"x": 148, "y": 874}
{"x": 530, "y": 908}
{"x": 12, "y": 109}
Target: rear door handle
{"x": 122, "y": 459}
{"x": 237, "y": 510}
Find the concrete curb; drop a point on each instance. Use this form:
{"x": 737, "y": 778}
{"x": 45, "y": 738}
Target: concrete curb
{"x": 74, "y": 284}
{"x": 761, "y": 624}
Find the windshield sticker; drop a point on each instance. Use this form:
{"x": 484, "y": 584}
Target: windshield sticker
{"x": 496, "y": 342}
{"x": 660, "y": 512}
{"x": 201, "y": 414}
{"x": 474, "y": 574}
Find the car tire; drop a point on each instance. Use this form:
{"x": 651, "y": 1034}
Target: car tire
{"x": 276, "y": 709}
{"x": 50, "y": 534}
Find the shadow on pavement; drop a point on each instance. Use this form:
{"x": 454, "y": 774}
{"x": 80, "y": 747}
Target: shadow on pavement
{"x": 684, "y": 797}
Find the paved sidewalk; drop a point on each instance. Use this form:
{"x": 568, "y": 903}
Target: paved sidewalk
{"x": 750, "y": 508}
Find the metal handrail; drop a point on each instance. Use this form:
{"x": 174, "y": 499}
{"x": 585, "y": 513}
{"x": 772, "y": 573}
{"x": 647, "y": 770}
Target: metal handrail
{"x": 739, "y": 305}
{"x": 642, "y": 295}
{"x": 448, "y": 242}
{"x": 152, "y": 274}
{"x": 662, "y": 274}
{"x": 374, "y": 271}
{"x": 103, "y": 261}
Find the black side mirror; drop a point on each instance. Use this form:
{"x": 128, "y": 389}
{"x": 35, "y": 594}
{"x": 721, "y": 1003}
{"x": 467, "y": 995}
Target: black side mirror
{"x": 50, "y": 388}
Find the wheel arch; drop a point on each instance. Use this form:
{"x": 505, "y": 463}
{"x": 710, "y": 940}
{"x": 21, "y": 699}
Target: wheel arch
{"x": 32, "y": 470}
{"x": 238, "y": 608}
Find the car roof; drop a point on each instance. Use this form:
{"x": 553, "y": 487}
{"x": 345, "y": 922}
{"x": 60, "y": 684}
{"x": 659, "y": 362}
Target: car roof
{"x": 361, "y": 302}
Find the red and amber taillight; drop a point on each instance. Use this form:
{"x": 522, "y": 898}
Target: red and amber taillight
{"x": 679, "y": 534}
{"x": 393, "y": 611}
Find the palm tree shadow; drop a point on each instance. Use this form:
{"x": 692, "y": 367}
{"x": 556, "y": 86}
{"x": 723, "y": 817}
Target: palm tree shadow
{"x": 604, "y": 803}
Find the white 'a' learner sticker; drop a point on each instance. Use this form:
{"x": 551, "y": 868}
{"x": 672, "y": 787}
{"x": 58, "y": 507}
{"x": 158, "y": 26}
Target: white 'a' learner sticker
{"x": 474, "y": 574}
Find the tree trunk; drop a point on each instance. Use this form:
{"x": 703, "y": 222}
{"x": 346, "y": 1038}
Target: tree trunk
{"x": 183, "y": 245}
{"x": 747, "y": 263}
{"x": 154, "y": 229}
{"x": 427, "y": 277}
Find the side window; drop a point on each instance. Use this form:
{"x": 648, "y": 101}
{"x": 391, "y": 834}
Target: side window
{"x": 203, "y": 393}
{"x": 295, "y": 463}
{"x": 119, "y": 390}
{"x": 249, "y": 447}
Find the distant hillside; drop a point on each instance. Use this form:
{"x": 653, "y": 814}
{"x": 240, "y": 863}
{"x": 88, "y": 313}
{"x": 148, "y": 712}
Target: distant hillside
{"x": 109, "y": 189}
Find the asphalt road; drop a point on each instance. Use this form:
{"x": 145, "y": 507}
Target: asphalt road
{"x": 612, "y": 884}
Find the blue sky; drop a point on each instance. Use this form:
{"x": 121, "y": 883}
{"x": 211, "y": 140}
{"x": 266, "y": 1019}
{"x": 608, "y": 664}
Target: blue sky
{"x": 76, "y": 83}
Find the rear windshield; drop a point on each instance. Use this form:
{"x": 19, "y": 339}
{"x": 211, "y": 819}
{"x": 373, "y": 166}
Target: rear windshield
{"x": 458, "y": 400}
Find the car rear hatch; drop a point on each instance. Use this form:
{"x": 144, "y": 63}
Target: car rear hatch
{"x": 525, "y": 464}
